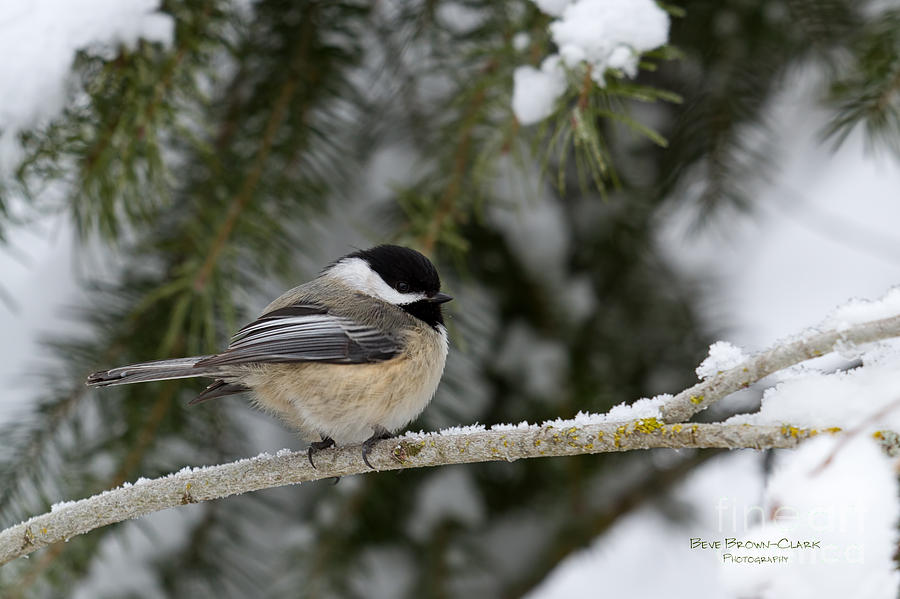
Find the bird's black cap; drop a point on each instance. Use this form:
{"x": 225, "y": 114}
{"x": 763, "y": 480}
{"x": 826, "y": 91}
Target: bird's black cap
{"x": 408, "y": 271}
{"x": 399, "y": 266}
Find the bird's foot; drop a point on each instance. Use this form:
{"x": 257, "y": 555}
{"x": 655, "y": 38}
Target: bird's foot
{"x": 317, "y": 446}
{"x": 379, "y": 433}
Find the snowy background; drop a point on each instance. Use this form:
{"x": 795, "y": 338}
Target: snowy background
{"x": 825, "y": 231}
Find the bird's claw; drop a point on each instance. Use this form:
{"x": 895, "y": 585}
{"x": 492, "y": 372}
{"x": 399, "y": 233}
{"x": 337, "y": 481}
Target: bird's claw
{"x": 317, "y": 446}
{"x": 379, "y": 434}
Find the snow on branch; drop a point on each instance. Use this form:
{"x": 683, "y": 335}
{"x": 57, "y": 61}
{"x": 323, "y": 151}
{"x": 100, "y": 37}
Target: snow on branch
{"x": 647, "y": 423}
{"x": 702, "y": 395}
{"x": 460, "y": 446}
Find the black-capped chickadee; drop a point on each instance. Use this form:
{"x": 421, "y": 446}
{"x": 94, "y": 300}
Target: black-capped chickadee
{"x": 349, "y": 357}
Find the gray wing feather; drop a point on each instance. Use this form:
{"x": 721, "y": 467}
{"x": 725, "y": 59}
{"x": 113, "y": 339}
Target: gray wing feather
{"x": 306, "y": 333}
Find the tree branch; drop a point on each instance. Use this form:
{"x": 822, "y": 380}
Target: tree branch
{"x": 409, "y": 451}
{"x": 702, "y": 395}
{"x": 462, "y": 446}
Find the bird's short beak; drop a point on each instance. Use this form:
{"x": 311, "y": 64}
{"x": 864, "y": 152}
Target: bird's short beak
{"x": 440, "y": 298}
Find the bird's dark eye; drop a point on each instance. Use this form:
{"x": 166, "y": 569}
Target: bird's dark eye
{"x": 402, "y": 286}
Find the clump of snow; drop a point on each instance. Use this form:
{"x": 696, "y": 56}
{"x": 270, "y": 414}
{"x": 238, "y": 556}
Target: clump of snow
{"x": 535, "y": 91}
{"x": 610, "y": 34}
{"x": 642, "y": 408}
{"x": 842, "y": 500}
{"x": 39, "y": 40}
{"x": 722, "y": 356}
{"x": 857, "y": 311}
{"x": 599, "y": 34}
{"x": 867, "y": 397}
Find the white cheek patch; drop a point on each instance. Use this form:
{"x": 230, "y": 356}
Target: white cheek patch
{"x": 356, "y": 273}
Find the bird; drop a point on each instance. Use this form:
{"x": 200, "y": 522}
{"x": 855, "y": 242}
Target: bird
{"x": 349, "y": 357}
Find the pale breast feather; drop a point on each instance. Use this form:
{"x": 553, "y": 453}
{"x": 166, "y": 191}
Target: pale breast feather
{"x": 306, "y": 333}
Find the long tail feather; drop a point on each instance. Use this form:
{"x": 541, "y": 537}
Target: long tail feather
{"x": 179, "y": 368}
